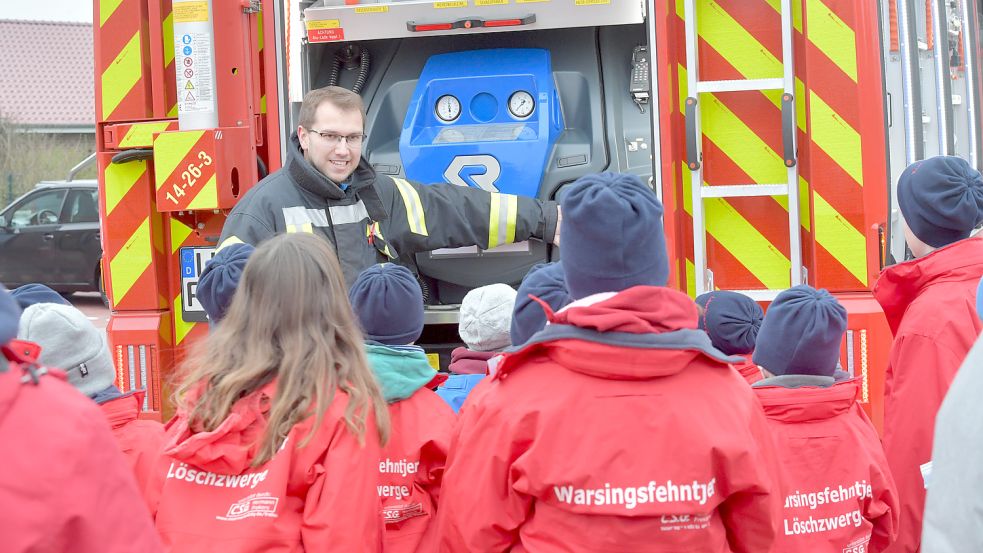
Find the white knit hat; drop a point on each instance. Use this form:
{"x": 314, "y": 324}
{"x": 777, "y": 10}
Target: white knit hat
{"x": 486, "y": 315}
{"x": 70, "y": 342}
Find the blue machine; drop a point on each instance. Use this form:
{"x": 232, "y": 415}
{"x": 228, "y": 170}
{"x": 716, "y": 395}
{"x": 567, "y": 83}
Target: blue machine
{"x": 483, "y": 118}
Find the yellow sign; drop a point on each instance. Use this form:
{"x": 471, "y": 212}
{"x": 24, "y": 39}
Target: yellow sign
{"x": 592, "y": 2}
{"x": 372, "y": 9}
{"x": 434, "y": 361}
{"x": 490, "y": 2}
{"x": 323, "y": 24}
{"x": 451, "y": 4}
{"x": 190, "y": 12}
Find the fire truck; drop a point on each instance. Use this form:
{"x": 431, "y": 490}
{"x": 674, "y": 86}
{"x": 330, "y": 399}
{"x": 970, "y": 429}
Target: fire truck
{"x": 772, "y": 130}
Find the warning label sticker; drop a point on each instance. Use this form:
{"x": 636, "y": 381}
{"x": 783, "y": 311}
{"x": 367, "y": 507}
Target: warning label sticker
{"x": 190, "y": 12}
{"x": 194, "y": 54}
{"x": 323, "y": 24}
{"x": 325, "y": 35}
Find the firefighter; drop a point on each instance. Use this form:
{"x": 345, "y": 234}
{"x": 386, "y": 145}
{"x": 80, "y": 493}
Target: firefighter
{"x": 930, "y": 304}
{"x": 276, "y": 442}
{"x": 388, "y": 304}
{"x": 64, "y": 484}
{"x": 618, "y": 427}
{"x": 327, "y": 188}
{"x": 839, "y": 493}
{"x": 732, "y": 320}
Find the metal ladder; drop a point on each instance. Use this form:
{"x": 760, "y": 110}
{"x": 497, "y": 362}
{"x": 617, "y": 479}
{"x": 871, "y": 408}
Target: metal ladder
{"x": 694, "y": 149}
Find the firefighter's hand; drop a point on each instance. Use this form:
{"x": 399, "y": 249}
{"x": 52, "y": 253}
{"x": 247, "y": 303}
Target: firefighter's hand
{"x": 559, "y": 221}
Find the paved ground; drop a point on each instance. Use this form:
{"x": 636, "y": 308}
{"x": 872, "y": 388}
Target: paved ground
{"x": 91, "y": 304}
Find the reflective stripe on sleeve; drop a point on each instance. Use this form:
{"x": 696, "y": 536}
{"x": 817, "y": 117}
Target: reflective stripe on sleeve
{"x": 414, "y": 207}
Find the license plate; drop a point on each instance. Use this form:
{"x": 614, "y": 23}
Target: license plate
{"x": 192, "y": 264}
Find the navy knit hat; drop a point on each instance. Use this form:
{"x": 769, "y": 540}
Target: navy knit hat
{"x": 801, "y": 333}
{"x": 941, "y": 199}
{"x": 220, "y": 279}
{"x": 731, "y": 320}
{"x": 545, "y": 281}
{"x": 30, "y": 294}
{"x": 9, "y": 316}
{"x": 388, "y": 303}
{"x": 612, "y": 235}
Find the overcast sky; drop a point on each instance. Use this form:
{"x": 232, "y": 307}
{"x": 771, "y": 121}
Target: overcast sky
{"x": 48, "y": 10}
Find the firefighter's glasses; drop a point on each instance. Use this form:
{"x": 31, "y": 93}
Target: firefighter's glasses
{"x": 333, "y": 139}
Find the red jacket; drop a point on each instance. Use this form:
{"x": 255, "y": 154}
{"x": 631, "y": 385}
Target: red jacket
{"x": 838, "y": 492}
{"x": 64, "y": 485}
{"x": 411, "y": 469}
{"x": 930, "y": 303}
{"x": 317, "y": 497}
{"x": 139, "y": 440}
{"x": 749, "y": 370}
{"x": 618, "y": 429}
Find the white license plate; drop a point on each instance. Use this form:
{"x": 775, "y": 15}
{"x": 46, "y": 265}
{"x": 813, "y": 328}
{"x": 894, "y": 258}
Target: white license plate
{"x": 192, "y": 264}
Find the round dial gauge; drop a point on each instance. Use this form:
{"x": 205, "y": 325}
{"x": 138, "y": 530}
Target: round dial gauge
{"x": 448, "y": 108}
{"x": 521, "y": 104}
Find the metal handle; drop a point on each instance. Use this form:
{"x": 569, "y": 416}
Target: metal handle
{"x": 788, "y": 130}
{"x": 693, "y": 160}
{"x": 138, "y": 154}
{"x": 49, "y": 236}
{"x": 470, "y": 23}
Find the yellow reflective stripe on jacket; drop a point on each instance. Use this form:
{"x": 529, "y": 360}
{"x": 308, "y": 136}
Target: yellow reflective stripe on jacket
{"x": 504, "y": 209}
{"x": 373, "y": 229}
{"x": 305, "y": 227}
{"x": 414, "y": 207}
{"x": 228, "y": 242}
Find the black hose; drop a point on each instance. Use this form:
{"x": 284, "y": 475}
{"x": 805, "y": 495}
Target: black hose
{"x": 127, "y": 156}
{"x": 363, "y": 72}
{"x": 261, "y": 166}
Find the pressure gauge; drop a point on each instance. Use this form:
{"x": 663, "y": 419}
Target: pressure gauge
{"x": 448, "y": 108}
{"x": 521, "y": 104}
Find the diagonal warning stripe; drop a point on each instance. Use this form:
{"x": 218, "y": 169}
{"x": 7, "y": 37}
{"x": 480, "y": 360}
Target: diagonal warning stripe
{"x": 169, "y": 151}
{"x": 838, "y": 139}
{"x": 142, "y": 134}
{"x": 131, "y": 261}
{"x": 167, "y": 32}
{"x": 181, "y": 328}
{"x": 119, "y": 179}
{"x": 207, "y": 196}
{"x": 179, "y": 233}
{"x": 121, "y": 76}
{"x": 832, "y": 36}
{"x": 836, "y": 234}
{"x": 106, "y": 9}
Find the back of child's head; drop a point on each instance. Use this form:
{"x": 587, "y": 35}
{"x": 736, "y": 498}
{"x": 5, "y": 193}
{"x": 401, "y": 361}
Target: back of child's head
{"x": 546, "y": 282}
{"x": 290, "y": 320}
{"x": 388, "y": 304}
{"x": 9, "y": 317}
{"x": 219, "y": 280}
{"x": 70, "y": 342}
{"x": 941, "y": 199}
{"x": 731, "y": 320}
{"x": 30, "y": 294}
{"x": 486, "y": 317}
{"x": 801, "y": 333}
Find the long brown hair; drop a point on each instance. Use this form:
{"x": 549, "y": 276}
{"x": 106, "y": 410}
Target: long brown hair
{"x": 289, "y": 319}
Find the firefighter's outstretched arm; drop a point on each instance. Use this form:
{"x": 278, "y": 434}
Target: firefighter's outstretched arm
{"x": 448, "y": 216}
{"x": 243, "y": 227}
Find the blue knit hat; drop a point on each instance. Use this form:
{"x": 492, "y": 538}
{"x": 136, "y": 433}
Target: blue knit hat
{"x": 219, "y": 280}
{"x": 545, "y": 281}
{"x": 388, "y": 303}
{"x": 801, "y": 333}
{"x": 9, "y": 316}
{"x": 731, "y": 320}
{"x": 30, "y": 294}
{"x": 941, "y": 199}
{"x": 612, "y": 235}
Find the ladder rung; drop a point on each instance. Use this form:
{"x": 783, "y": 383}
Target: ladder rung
{"x": 740, "y": 85}
{"x": 739, "y": 190}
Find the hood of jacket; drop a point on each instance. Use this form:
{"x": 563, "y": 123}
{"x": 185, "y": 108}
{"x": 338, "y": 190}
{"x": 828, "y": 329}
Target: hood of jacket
{"x": 466, "y": 361}
{"x": 797, "y": 398}
{"x": 123, "y": 409}
{"x": 900, "y": 284}
{"x": 401, "y": 372}
{"x": 230, "y": 448}
{"x": 642, "y": 333}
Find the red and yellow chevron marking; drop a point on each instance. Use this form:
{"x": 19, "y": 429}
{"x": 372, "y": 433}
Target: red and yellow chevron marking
{"x": 123, "y": 83}
{"x": 747, "y": 240}
{"x": 184, "y": 167}
{"x": 180, "y": 235}
{"x": 170, "y": 89}
{"x": 135, "y": 135}
{"x": 131, "y": 236}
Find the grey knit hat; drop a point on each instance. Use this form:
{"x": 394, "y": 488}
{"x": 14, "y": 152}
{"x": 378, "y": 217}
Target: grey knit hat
{"x": 70, "y": 342}
{"x": 486, "y": 317}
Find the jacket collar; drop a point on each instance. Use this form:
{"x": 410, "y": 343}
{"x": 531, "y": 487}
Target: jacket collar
{"x": 900, "y": 284}
{"x": 123, "y": 409}
{"x": 806, "y": 402}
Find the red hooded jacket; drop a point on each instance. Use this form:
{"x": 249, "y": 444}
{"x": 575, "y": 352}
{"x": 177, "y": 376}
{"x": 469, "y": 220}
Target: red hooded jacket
{"x": 749, "y": 370}
{"x": 318, "y": 497}
{"x": 64, "y": 485}
{"x": 930, "y": 304}
{"x": 838, "y": 492}
{"x": 140, "y": 440}
{"x": 618, "y": 428}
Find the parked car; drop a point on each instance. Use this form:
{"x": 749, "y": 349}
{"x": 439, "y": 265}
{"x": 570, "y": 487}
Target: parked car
{"x": 51, "y": 236}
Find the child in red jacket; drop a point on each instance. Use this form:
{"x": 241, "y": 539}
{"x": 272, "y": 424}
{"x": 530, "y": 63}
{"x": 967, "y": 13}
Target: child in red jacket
{"x": 388, "y": 304}
{"x": 838, "y": 492}
{"x": 69, "y": 341}
{"x": 732, "y": 321}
